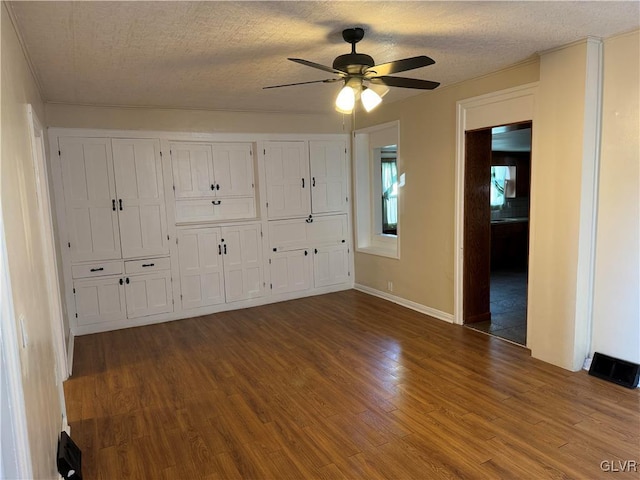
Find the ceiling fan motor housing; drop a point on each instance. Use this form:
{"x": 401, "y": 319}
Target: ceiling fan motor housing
{"x": 353, "y": 63}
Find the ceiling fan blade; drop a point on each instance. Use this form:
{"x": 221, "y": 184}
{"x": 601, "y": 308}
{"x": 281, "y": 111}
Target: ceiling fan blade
{"x": 405, "y": 82}
{"x": 400, "y": 65}
{"x": 328, "y": 80}
{"x": 318, "y": 66}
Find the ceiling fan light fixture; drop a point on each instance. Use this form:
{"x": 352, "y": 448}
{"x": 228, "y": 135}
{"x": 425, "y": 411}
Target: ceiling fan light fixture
{"x": 369, "y": 99}
{"x": 346, "y": 100}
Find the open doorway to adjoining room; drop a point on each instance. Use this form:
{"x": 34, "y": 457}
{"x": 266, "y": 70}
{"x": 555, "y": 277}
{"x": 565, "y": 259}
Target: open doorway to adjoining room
{"x": 497, "y": 199}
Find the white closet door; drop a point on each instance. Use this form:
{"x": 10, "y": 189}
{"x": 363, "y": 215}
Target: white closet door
{"x": 141, "y": 207}
{"x": 201, "y": 270}
{"x": 233, "y": 169}
{"x": 329, "y": 182}
{"x": 242, "y": 247}
{"x": 89, "y": 196}
{"x": 287, "y": 175}
{"x": 330, "y": 265}
{"x": 192, "y": 170}
{"x": 148, "y": 294}
{"x": 99, "y": 300}
{"x": 290, "y": 271}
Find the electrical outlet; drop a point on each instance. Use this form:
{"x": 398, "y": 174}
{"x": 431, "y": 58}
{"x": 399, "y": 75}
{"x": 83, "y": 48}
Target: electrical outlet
{"x": 390, "y": 286}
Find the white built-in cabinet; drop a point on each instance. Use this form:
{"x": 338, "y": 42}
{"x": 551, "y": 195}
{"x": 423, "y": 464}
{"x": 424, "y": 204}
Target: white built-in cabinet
{"x": 113, "y": 197}
{"x": 308, "y": 252}
{"x": 220, "y": 264}
{"x": 305, "y": 178}
{"x": 167, "y": 226}
{"x": 307, "y": 186}
{"x": 213, "y": 182}
{"x": 116, "y": 228}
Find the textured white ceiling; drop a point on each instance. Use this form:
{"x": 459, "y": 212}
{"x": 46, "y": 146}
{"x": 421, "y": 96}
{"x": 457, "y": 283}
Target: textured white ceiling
{"x": 219, "y": 55}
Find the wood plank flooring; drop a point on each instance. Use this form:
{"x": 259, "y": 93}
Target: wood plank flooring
{"x": 337, "y": 386}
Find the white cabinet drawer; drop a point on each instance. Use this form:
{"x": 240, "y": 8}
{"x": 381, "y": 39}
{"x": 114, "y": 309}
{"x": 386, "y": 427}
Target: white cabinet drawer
{"x": 202, "y": 210}
{"x": 305, "y": 232}
{"x": 146, "y": 266}
{"x": 288, "y": 234}
{"x": 96, "y": 269}
{"x": 331, "y": 229}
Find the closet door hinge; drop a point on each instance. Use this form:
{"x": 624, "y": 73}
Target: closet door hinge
{"x": 76, "y": 315}
{"x": 174, "y": 188}
{"x": 160, "y": 153}
{"x": 271, "y": 286}
{"x": 269, "y": 264}
{"x": 69, "y": 244}
{"x": 59, "y": 153}
{"x": 74, "y": 291}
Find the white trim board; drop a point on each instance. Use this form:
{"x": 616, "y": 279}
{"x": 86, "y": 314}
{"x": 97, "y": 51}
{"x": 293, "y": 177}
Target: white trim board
{"x": 498, "y": 108}
{"x": 418, "y": 307}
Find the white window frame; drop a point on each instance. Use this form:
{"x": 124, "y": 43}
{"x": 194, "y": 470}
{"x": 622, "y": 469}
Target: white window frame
{"x": 368, "y": 209}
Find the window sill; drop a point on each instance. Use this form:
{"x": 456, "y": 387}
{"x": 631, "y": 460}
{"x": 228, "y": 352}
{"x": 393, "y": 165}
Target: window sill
{"x": 381, "y": 251}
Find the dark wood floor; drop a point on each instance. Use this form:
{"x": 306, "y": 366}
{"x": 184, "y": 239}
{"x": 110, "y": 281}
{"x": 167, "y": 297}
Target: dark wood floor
{"x": 337, "y": 386}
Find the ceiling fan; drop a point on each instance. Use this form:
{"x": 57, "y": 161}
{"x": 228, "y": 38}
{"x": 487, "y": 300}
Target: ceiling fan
{"x": 357, "y": 70}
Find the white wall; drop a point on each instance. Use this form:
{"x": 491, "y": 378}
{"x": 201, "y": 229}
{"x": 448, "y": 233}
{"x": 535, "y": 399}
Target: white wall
{"x": 616, "y": 322}
{"x": 26, "y": 263}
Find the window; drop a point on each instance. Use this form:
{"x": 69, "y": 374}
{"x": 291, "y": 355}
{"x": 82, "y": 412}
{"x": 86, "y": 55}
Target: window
{"x": 378, "y": 185}
{"x": 389, "y": 181}
{"x": 503, "y": 182}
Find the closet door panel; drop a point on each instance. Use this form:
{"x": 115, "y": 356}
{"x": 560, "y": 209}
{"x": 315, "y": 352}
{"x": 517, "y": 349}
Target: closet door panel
{"x": 287, "y": 176}
{"x": 89, "y": 193}
{"x": 233, "y": 169}
{"x": 141, "y": 207}
{"x": 148, "y": 294}
{"x": 192, "y": 170}
{"x": 329, "y": 180}
{"x": 201, "y": 268}
{"x": 242, "y": 247}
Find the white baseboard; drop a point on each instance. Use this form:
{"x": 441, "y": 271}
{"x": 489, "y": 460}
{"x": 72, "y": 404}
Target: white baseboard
{"x": 432, "y": 312}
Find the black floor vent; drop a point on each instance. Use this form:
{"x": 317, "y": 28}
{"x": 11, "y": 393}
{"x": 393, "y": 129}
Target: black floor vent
{"x": 69, "y": 458}
{"x": 615, "y": 370}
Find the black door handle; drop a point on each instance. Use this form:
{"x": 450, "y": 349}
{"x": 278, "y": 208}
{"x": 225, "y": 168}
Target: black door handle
{"x": 225, "y": 248}
{"x": 96, "y": 269}
{"x": 306, "y": 253}
{"x": 127, "y": 281}
{"x": 113, "y": 205}
{"x": 219, "y": 249}
{"x": 148, "y": 264}
{"x": 315, "y": 250}
{"x": 216, "y": 202}
{"x": 120, "y": 201}
{"x": 313, "y": 179}
{"x": 310, "y": 219}
{"x": 303, "y": 183}
{"x": 213, "y": 187}
{"x": 217, "y": 186}
{"x": 121, "y": 281}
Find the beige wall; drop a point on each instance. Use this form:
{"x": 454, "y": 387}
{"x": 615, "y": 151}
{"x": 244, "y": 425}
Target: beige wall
{"x": 179, "y": 120}
{"x": 616, "y": 323}
{"x": 556, "y": 181}
{"x": 424, "y": 273}
{"x": 24, "y": 247}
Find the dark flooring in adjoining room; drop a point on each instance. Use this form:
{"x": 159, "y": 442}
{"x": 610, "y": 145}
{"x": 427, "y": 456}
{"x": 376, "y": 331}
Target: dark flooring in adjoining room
{"x": 508, "y": 306}
{"x": 337, "y": 386}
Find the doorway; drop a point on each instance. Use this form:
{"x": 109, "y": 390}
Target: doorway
{"x": 496, "y": 230}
